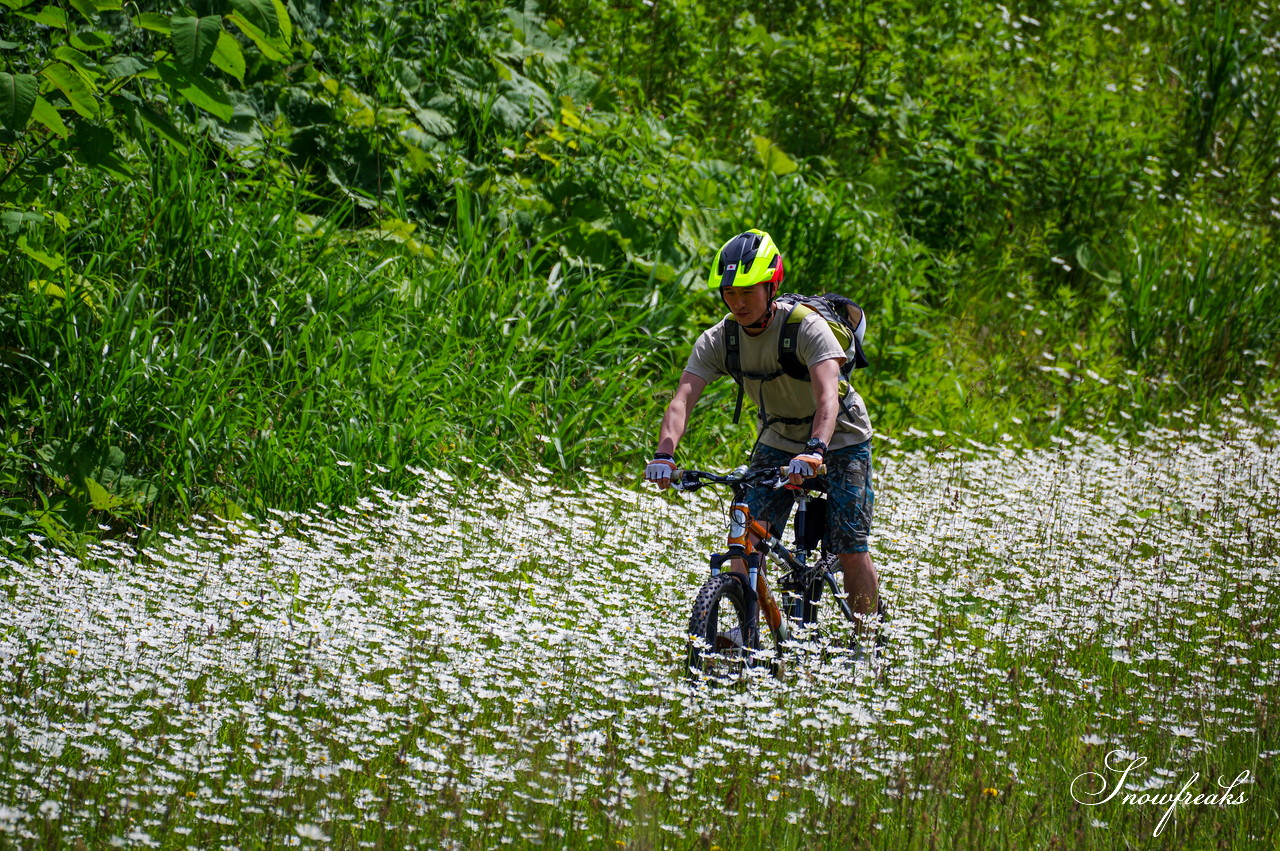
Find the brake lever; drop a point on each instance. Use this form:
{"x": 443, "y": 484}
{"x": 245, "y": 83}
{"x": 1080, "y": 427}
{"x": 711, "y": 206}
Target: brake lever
{"x": 784, "y": 478}
{"x": 683, "y": 482}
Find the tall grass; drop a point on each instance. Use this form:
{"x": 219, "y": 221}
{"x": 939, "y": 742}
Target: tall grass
{"x": 470, "y": 240}
{"x": 209, "y": 360}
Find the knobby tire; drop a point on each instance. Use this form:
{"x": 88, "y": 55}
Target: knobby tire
{"x": 720, "y": 602}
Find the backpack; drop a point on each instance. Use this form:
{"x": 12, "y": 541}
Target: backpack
{"x": 844, "y": 316}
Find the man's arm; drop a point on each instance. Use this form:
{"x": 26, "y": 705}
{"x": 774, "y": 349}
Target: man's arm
{"x": 674, "y": 422}
{"x": 825, "y": 377}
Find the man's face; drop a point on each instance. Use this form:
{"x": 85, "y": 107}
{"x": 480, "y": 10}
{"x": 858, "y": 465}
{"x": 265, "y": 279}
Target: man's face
{"x": 747, "y": 304}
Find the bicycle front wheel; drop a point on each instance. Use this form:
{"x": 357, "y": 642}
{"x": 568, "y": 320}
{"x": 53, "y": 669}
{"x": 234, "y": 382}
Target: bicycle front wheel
{"x": 723, "y": 639}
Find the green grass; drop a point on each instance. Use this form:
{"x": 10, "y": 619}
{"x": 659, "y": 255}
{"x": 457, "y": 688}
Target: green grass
{"x": 482, "y": 234}
{"x": 501, "y": 666}
{"x": 436, "y": 246}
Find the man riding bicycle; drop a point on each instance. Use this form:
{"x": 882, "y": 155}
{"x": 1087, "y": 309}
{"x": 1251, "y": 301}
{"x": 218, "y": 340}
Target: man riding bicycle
{"x": 802, "y": 424}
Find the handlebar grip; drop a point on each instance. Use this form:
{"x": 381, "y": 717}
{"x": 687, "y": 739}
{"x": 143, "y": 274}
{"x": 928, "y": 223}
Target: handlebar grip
{"x": 782, "y": 471}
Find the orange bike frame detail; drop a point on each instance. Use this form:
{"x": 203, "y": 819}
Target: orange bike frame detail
{"x": 744, "y": 531}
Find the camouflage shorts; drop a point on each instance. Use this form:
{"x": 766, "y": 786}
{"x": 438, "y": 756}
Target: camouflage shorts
{"x": 850, "y": 499}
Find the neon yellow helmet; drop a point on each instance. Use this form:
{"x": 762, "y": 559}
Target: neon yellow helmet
{"x": 748, "y": 259}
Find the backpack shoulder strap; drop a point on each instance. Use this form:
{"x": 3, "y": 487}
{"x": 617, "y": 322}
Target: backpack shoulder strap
{"x": 733, "y": 361}
{"x": 789, "y": 341}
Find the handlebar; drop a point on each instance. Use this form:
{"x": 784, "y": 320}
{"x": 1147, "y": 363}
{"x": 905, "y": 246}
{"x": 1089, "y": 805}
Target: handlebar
{"x": 691, "y": 480}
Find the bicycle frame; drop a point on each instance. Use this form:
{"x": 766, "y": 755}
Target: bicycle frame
{"x": 750, "y": 543}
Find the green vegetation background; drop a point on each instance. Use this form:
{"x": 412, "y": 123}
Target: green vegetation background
{"x": 257, "y": 254}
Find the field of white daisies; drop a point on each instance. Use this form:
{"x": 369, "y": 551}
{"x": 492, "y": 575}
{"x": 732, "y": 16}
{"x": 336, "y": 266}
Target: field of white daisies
{"x": 1082, "y": 653}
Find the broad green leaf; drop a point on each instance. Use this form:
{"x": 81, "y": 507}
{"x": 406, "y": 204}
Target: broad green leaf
{"x": 201, "y": 91}
{"x": 52, "y": 262}
{"x": 50, "y": 16}
{"x": 45, "y": 113}
{"x": 12, "y": 222}
{"x": 46, "y": 288}
{"x": 108, "y": 5}
{"x": 88, "y": 69}
{"x": 95, "y": 147}
{"x": 9, "y": 45}
{"x": 16, "y": 4}
{"x": 100, "y": 498}
{"x": 772, "y": 157}
{"x": 155, "y": 22}
{"x": 435, "y": 123}
{"x": 228, "y": 56}
{"x": 269, "y": 47}
{"x": 119, "y": 67}
{"x": 91, "y": 40}
{"x": 148, "y": 115}
{"x": 260, "y": 13}
{"x": 74, "y": 86}
{"x": 194, "y": 40}
{"x": 86, "y": 8}
{"x": 163, "y": 126}
{"x": 18, "y": 93}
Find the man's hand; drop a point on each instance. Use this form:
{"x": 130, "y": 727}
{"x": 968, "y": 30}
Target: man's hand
{"x": 804, "y": 466}
{"x": 659, "y": 470}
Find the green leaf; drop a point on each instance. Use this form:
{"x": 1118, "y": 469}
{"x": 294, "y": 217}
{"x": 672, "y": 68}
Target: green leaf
{"x": 91, "y": 40}
{"x": 119, "y": 67}
{"x": 88, "y": 69}
{"x": 154, "y": 21}
{"x": 50, "y": 16}
{"x": 201, "y": 91}
{"x": 74, "y": 86}
{"x": 772, "y": 157}
{"x": 100, "y": 498}
{"x": 13, "y": 221}
{"x": 86, "y": 8}
{"x": 228, "y": 56}
{"x": 162, "y": 126}
{"x": 435, "y": 123}
{"x": 286, "y": 25}
{"x": 270, "y": 48}
{"x": 261, "y": 14}
{"x": 45, "y": 113}
{"x": 194, "y": 40}
{"x": 94, "y": 146}
{"x": 16, "y": 4}
{"x": 52, "y": 262}
{"x": 134, "y": 105}
{"x": 46, "y": 288}
{"x": 18, "y": 93}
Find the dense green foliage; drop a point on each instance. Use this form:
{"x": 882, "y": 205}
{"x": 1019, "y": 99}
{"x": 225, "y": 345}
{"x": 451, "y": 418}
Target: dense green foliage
{"x": 253, "y": 254}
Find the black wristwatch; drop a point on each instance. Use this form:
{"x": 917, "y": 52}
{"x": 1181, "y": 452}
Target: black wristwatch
{"x": 815, "y": 445}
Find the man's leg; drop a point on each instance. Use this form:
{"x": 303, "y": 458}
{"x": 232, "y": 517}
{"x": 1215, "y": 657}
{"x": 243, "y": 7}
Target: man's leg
{"x": 861, "y": 584}
{"x": 851, "y": 501}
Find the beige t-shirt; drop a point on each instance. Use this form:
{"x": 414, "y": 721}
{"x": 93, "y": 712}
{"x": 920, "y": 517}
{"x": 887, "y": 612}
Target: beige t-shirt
{"x": 783, "y": 396}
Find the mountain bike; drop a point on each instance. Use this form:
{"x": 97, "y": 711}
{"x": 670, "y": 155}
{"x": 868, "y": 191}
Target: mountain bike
{"x": 724, "y": 629}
